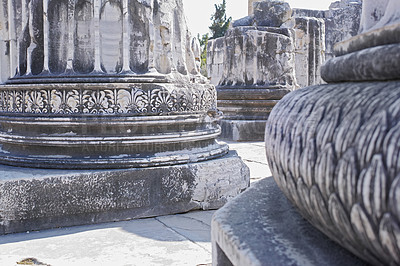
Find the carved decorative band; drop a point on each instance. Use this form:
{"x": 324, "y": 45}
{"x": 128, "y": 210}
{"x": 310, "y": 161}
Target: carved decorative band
{"x": 130, "y": 100}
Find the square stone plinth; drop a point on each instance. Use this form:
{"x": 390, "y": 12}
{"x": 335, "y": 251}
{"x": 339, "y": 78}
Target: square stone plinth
{"x": 261, "y": 227}
{"x": 243, "y": 130}
{"x": 36, "y": 199}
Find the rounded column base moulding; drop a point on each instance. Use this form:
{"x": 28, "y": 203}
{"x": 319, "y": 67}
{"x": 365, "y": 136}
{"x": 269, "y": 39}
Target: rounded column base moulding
{"x": 246, "y": 109}
{"x": 249, "y": 103}
{"x": 109, "y": 125}
{"x": 334, "y": 151}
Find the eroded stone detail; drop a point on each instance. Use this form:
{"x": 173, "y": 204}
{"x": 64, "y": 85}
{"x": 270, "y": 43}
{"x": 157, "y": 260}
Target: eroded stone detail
{"x": 102, "y": 84}
{"x": 60, "y": 38}
{"x": 106, "y": 116}
{"x": 334, "y": 154}
{"x": 315, "y": 33}
{"x": 333, "y": 149}
{"x": 37, "y": 199}
{"x": 254, "y": 67}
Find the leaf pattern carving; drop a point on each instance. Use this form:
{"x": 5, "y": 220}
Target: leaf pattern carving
{"x": 335, "y": 152}
{"x": 134, "y": 100}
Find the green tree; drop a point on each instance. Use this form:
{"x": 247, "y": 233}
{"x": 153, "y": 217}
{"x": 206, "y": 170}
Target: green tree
{"x": 220, "y": 23}
{"x": 203, "y": 57}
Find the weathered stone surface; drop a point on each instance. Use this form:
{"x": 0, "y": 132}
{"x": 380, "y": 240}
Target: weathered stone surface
{"x": 389, "y": 34}
{"x": 253, "y": 67}
{"x": 249, "y": 103}
{"x": 309, "y": 39}
{"x": 250, "y": 6}
{"x": 333, "y": 149}
{"x": 35, "y": 199}
{"x": 260, "y": 227}
{"x": 379, "y": 14}
{"x": 243, "y": 130}
{"x": 215, "y": 59}
{"x": 376, "y": 63}
{"x": 106, "y": 85}
{"x": 315, "y": 33}
{"x": 99, "y": 85}
{"x": 258, "y": 56}
{"x": 109, "y": 125}
{"x": 336, "y": 160}
{"x": 4, "y": 44}
{"x": 85, "y": 38}
{"x": 246, "y": 110}
{"x": 271, "y": 13}
{"x": 246, "y": 21}
{"x": 193, "y": 55}
{"x": 373, "y": 54}
{"x": 342, "y": 21}
{"x": 258, "y": 69}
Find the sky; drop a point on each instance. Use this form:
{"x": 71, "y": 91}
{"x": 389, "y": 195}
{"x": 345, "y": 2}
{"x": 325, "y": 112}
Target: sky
{"x": 198, "y": 12}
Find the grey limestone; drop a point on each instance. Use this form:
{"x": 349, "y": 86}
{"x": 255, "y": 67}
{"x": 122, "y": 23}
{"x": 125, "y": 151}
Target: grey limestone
{"x": 107, "y": 96}
{"x": 215, "y": 59}
{"x": 379, "y": 14}
{"x": 333, "y": 149}
{"x": 273, "y": 46}
{"x": 261, "y": 227}
{"x": 377, "y": 63}
{"x": 242, "y": 130}
{"x": 258, "y": 56}
{"x": 36, "y": 199}
{"x": 99, "y": 85}
{"x": 309, "y": 41}
{"x": 257, "y": 69}
{"x": 271, "y": 13}
{"x": 336, "y": 160}
{"x": 180, "y": 239}
{"x": 260, "y": 59}
{"x": 388, "y": 34}
{"x": 342, "y": 21}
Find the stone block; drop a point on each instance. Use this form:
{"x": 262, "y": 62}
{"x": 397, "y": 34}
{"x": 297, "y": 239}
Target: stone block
{"x": 246, "y": 21}
{"x": 342, "y": 21}
{"x": 309, "y": 49}
{"x": 261, "y": 56}
{"x": 36, "y": 199}
{"x": 261, "y": 227}
{"x": 243, "y": 130}
{"x": 271, "y": 13}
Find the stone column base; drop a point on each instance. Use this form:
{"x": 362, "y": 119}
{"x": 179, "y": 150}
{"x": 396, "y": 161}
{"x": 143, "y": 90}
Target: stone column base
{"x": 261, "y": 227}
{"x": 36, "y": 199}
{"x": 243, "y": 130}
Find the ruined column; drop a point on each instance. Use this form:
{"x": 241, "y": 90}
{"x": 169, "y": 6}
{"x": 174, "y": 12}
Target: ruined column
{"x": 106, "y": 85}
{"x": 334, "y": 149}
{"x": 309, "y": 42}
{"x": 256, "y": 63}
{"x": 342, "y": 21}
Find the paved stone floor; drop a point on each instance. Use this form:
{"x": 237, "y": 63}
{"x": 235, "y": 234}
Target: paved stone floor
{"x": 182, "y": 239}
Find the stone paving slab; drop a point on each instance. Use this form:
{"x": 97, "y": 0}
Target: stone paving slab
{"x": 182, "y": 239}
{"x": 168, "y": 240}
{"x": 253, "y": 155}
